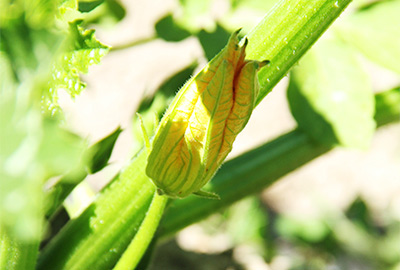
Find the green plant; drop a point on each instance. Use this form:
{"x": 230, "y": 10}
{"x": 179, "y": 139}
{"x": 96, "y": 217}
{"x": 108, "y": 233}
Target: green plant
{"x": 44, "y": 48}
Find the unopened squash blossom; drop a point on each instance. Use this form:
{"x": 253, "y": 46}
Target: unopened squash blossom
{"x": 198, "y": 129}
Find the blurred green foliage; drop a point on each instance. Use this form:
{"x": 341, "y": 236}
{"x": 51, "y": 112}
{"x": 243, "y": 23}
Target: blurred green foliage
{"x": 43, "y": 50}
{"x": 374, "y": 31}
{"x": 104, "y": 12}
{"x": 330, "y": 94}
{"x": 344, "y": 239}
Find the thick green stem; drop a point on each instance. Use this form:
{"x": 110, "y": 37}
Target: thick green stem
{"x": 98, "y": 237}
{"x": 261, "y": 167}
{"x": 286, "y": 33}
{"x": 139, "y": 244}
{"x": 15, "y": 255}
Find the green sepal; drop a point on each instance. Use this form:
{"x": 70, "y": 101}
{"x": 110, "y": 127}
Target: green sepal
{"x": 144, "y": 133}
{"x": 207, "y": 194}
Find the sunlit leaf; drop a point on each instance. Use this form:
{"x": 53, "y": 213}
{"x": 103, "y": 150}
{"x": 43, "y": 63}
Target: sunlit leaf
{"x": 331, "y": 98}
{"x": 102, "y": 11}
{"x": 308, "y": 229}
{"x": 375, "y": 31}
{"x": 32, "y": 150}
{"x": 34, "y": 146}
{"x": 168, "y": 30}
{"x": 247, "y": 221}
{"x": 213, "y": 42}
{"x": 102, "y": 151}
{"x": 246, "y": 13}
{"x": 83, "y": 51}
{"x": 87, "y": 6}
{"x": 196, "y": 15}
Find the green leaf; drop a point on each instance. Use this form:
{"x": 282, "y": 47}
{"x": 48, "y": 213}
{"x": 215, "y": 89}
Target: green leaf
{"x": 55, "y": 195}
{"x": 67, "y": 11}
{"x": 247, "y": 220}
{"x": 82, "y": 51}
{"x": 29, "y": 51}
{"x": 34, "y": 147}
{"x": 246, "y": 13}
{"x": 38, "y": 14}
{"x": 375, "y": 31}
{"x": 213, "y": 42}
{"x": 102, "y": 11}
{"x": 87, "y": 6}
{"x": 385, "y": 111}
{"x": 263, "y": 5}
{"x": 169, "y": 30}
{"x": 102, "y": 151}
{"x": 360, "y": 216}
{"x": 93, "y": 160}
{"x": 32, "y": 150}
{"x": 331, "y": 98}
{"x": 307, "y": 229}
{"x": 196, "y": 15}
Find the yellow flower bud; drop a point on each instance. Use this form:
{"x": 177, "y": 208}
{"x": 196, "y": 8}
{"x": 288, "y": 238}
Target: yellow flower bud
{"x": 198, "y": 129}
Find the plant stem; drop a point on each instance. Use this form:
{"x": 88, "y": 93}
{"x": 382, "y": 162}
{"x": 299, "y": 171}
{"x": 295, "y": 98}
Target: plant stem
{"x": 15, "y": 255}
{"x": 261, "y": 167}
{"x": 98, "y": 237}
{"x": 140, "y": 242}
{"x": 286, "y": 33}
{"x": 132, "y": 43}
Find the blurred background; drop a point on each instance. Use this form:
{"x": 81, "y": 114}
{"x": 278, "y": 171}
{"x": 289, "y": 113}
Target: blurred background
{"x": 340, "y": 211}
